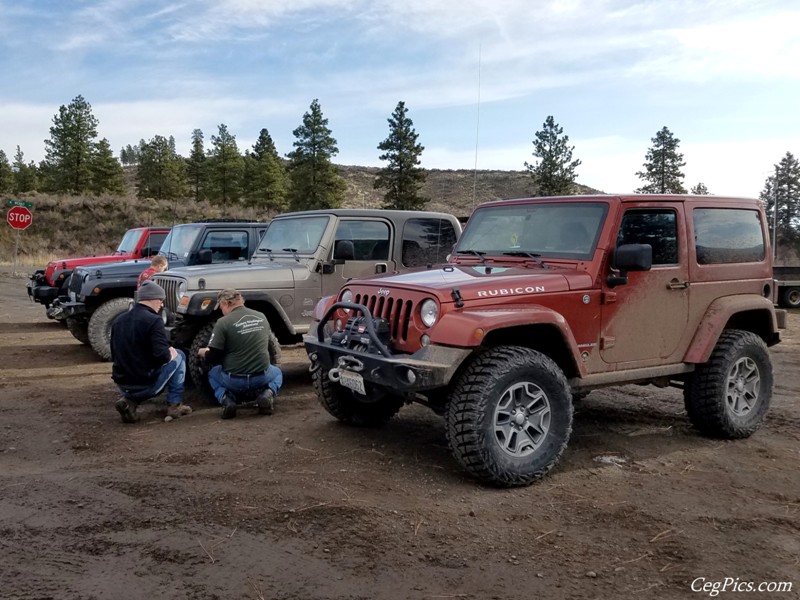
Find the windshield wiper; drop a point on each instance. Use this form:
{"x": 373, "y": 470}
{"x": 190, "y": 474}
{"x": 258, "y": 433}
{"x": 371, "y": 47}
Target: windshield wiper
{"x": 268, "y": 251}
{"x": 170, "y": 255}
{"x": 294, "y": 252}
{"x": 477, "y": 253}
{"x": 532, "y": 255}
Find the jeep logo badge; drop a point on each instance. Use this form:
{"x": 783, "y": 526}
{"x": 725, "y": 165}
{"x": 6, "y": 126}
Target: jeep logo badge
{"x": 383, "y": 292}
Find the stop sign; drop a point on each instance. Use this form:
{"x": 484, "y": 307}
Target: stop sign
{"x": 19, "y": 217}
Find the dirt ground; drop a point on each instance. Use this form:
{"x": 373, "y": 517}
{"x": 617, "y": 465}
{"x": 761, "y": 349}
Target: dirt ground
{"x": 297, "y": 505}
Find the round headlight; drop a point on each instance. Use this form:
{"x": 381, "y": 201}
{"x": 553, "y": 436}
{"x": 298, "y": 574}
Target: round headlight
{"x": 181, "y": 289}
{"x": 347, "y": 296}
{"x": 428, "y": 312}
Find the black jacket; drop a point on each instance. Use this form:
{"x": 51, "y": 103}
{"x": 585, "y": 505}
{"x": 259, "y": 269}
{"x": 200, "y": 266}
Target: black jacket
{"x": 139, "y": 346}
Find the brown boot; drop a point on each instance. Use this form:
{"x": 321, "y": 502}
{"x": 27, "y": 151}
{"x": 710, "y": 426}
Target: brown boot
{"x": 178, "y": 410}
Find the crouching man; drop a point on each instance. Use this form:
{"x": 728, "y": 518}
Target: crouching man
{"x": 239, "y": 352}
{"x": 144, "y": 362}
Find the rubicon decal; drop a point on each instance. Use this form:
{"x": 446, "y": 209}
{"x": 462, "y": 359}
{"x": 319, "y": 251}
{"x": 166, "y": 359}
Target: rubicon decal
{"x": 511, "y": 291}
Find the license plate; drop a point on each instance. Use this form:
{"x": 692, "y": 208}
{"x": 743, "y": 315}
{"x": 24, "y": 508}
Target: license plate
{"x": 352, "y": 381}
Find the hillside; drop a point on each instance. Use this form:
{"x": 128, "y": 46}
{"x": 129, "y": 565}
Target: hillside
{"x": 69, "y": 226}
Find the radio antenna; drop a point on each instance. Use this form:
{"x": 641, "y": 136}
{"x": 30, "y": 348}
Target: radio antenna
{"x": 477, "y": 131}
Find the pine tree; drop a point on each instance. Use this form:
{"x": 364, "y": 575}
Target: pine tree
{"x": 106, "y": 171}
{"x": 197, "y": 167}
{"x": 226, "y": 168}
{"x": 401, "y": 178}
{"x": 25, "y": 177}
{"x": 162, "y": 172}
{"x": 265, "y": 186}
{"x": 6, "y": 174}
{"x": 784, "y": 187}
{"x": 315, "y": 182}
{"x": 68, "y": 152}
{"x": 700, "y": 189}
{"x": 554, "y": 173}
{"x": 662, "y": 167}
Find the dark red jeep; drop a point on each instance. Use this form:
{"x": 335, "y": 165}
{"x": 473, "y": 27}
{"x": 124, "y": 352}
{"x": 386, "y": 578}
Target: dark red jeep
{"x": 545, "y": 299}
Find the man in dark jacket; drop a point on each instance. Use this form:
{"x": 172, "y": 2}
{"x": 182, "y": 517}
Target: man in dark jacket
{"x": 144, "y": 362}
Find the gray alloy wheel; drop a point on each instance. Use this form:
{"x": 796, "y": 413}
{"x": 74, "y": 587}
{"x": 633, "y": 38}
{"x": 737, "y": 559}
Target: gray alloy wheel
{"x": 522, "y": 419}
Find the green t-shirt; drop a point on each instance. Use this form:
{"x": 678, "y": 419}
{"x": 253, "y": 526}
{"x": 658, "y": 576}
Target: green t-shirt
{"x": 243, "y": 335}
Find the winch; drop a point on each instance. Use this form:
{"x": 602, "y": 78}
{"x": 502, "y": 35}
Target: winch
{"x": 355, "y": 335}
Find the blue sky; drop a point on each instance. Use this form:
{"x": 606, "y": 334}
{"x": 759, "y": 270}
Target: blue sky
{"x": 479, "y": 78}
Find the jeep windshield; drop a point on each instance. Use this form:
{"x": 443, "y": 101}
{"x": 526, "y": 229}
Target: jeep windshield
{"x": 566, "y": 230}
{"x": 180, "y": 241}
{"x": 128, "y": 243}
{"x": 299, "y": 235}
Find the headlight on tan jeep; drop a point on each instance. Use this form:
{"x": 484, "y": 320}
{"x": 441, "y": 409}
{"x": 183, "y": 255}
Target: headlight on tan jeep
{"x": 428, "y": 312}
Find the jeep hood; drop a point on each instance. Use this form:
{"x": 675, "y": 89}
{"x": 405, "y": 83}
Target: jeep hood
{"x": 483, "y": 281}
{"x": 63, "y": 264}
{"x": 242, "y": 275}
{"x": 115, "y": 270}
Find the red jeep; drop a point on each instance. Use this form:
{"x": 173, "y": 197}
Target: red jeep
{"x": 544, "y": 299}
{"x": 47, "y": 284}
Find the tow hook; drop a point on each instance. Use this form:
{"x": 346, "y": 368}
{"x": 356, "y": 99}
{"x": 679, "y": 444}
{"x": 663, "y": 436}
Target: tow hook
{"x": 314, "y": 367}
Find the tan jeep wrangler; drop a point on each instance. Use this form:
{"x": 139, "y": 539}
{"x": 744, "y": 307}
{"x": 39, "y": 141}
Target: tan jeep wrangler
{"x": 547, "y": 298}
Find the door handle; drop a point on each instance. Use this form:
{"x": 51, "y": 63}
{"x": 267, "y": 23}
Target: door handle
{"x": 677, "y": 285}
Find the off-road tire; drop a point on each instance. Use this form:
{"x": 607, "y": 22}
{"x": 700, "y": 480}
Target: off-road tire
{"x": 729, "y": 396}
{"x": 78, "y": 327}
{"x": 790, "y": 297}
{"x": 100, "y": 324}
{"x": 198, "y": 372}
{"x": 496, "y": 379}
{"x": 346, "y": 406}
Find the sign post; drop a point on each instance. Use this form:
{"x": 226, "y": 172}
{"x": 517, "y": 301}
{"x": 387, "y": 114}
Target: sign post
{"x": 19, "y": 217}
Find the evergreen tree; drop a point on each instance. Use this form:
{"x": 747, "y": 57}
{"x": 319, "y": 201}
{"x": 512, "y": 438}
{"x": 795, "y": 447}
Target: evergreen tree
{"x": 784, "y": 187}
{"x": 162, "y": 172}
{"x": 68, "y": 152}
{"x": 401, "y": 178}
{"x": 662, "y": 167}
{"x": 129, "y": 156}
{"x": 700, "y": 189}
{"x": 106, "y": 171}
{"x": 25, "y": 177}
{"x": 6, "y": 174}
{"x": 315, "y": 182}
{"x": 554, "y": 173}
{"x": 226, "y": 168}
{"x": 197, "y": 167}
{"x": 265, "y": 181}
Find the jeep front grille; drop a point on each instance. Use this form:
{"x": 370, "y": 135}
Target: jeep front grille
{"x": 76, "y": 281}
{"x": 170, "y": 286}
{"x": 395, "y": 310}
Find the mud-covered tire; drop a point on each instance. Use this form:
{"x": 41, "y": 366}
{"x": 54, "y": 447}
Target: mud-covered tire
{"x": 790, "y": 297}
{"x": 78, "y": 327}
{"x": 729, "y": 396}
{"x": 100, "y": 324}
{"x": 198, "y": 372}
{"x": 346, "y": 406}
{"x": 509, "y": 416}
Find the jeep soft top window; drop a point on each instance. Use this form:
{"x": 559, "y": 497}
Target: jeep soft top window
{"x": 128, "y": 243}
{"x": 297, "y": 234}
{"x": 657, "y": 227}
{"x": 427, "y": 241}
{"x": 180, "y": 241}
{"x": 362, "y": 240}
{"x": 551, "y": 230}
{"x": 728, "y": 235}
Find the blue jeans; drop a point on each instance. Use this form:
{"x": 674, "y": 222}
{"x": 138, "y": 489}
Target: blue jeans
{"x": 221, "y": 381}
{"x": 171, "y": 377}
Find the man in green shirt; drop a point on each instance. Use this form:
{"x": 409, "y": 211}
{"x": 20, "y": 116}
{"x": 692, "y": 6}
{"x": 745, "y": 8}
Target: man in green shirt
{"x": 239, "y": 351}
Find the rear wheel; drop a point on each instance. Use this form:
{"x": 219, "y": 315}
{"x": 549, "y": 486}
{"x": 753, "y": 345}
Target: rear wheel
{"x": 790, "y": 297}
{"x": 100, "y": 324}
{"x": 509, "y": 416}
{"x": 78, "y": 327}
{"x": 729, "y": 395}
{"x": 372, "y": 410}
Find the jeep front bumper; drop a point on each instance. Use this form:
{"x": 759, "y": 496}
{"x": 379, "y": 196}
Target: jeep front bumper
{"x": 429, "y": 368}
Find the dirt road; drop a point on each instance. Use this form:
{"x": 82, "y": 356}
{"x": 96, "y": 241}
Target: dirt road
{"x": 296, "y": 505}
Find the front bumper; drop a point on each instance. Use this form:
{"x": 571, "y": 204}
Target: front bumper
{"x": 73, "y": 309}
{"x": 42, "y": 293}
{"x": 429, "y": 368}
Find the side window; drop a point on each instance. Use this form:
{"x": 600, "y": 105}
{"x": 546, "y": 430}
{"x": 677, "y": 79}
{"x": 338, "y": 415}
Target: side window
{"x": 427, "y": 241}
{"x": 362, "y": 240}
{"x": 659, "y": 228}
{"x": 728, "y": 235}
{"x": 226, "y": 246}
{"x": 155, "y": 240}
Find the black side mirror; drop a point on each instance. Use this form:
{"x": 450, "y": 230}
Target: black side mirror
{"x": 204, "y": 257}
{"x": 629, "y": 257}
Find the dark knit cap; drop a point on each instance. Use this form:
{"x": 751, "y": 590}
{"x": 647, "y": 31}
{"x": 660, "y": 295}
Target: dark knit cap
{"x": 150, "y": 290}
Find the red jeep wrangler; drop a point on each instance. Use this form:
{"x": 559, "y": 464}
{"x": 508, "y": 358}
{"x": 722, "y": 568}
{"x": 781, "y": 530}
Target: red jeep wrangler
{"x": 547, "y": 298}
{"x": 46, "y": 285}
